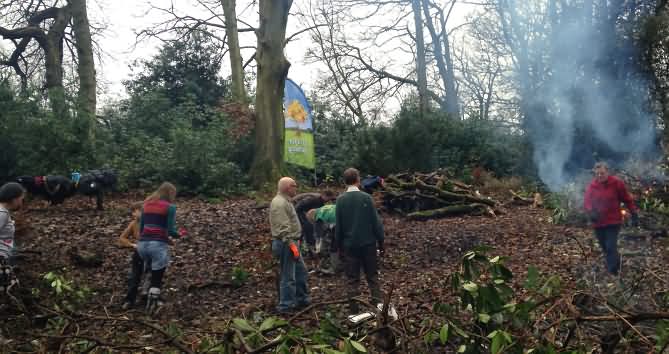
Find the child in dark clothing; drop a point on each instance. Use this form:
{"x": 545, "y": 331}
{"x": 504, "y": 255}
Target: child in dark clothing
{"x": 323, "y": 220}
{"x": 129, "y": 239}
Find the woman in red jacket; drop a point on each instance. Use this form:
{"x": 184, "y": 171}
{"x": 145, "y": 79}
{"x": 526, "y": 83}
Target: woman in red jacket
{"x": 602, "y": 203}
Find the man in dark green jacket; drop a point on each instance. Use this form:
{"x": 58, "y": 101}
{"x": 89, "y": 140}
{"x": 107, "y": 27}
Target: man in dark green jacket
{"x": 358, "y": 232}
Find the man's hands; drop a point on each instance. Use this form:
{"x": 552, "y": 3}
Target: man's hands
{"x": 593, "y": 216}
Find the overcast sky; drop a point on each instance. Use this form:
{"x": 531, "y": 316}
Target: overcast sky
{"x": 126, "y": 17}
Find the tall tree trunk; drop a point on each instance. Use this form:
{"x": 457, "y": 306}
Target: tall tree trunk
{"x": 230, "y": 13}
{"x": 452, "y": 105}
{"x": 421, "y": 62}
{"x": 436, "y": 47}
{"x": 272, "y": 72}
{"x": 53, "y": 53}
{"x": 442, "y": 54}
{"x": 86, "y": 103}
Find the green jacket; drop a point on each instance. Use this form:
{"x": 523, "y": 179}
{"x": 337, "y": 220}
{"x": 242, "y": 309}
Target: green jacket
{"x": 326, "y": 214}
{"x": 358, "y": 223}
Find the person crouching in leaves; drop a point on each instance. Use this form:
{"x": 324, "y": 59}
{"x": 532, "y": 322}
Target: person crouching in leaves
{"x": 138, "y": 268}
{"x": 305, "y": 202}
{"x": 602, "y": 204}
{"x": 157, "y": 224}
{"x": 323, "y": 220}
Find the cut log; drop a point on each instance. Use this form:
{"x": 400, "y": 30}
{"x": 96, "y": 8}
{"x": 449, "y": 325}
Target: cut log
{"x": 520, "y": 200}
{"x": 449, "y": 211}
{"x": 455, "y": 196}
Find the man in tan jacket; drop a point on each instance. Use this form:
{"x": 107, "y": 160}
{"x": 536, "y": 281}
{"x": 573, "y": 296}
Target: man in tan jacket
{"x": 286, "y": 232}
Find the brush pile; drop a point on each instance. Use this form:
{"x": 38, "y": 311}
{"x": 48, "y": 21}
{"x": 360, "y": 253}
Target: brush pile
{"x": 421, "y": 196}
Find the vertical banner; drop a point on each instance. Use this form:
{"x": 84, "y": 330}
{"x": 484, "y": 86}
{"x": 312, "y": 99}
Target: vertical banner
{"x": 299, "y": 124}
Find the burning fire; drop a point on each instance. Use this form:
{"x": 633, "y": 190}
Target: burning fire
{"x": 623, "y": 212}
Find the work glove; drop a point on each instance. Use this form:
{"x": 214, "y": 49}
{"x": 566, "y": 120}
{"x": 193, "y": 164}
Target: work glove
{"x": 593, "y": 216}
{"x": 382, "y": 250}
{"x": 183, "y": 232}
{"x": 294, "y": 250}
{"x": 635, "y": 219}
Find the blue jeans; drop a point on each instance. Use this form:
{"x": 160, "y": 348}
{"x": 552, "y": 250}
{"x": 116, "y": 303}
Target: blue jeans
{"x": 155, "y": 253}
{"x": 608, "y": 241}
{"x": 293, "y": 290}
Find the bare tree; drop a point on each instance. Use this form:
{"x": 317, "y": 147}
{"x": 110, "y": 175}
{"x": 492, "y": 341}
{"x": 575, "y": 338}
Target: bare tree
{"x": 421, "y": 62}
{"x": 272, "y": 72}
{"x": 362, "y": 52}
{"x": 232, "y": 34}
{"x": 86, "y": 63}
{"x": 442, "y": 52}
{"x": 483, "y": 63}
{"x": 46, "y": 25}
{"x": 353, "y": 92}
{"x": 50, "y": 41}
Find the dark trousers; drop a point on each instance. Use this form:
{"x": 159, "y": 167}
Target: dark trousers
{"x": 608, "y": 241}
{"x": 307, "y": 230}
{"x": 136, "y": 271}
{"x": 365, "y": 258}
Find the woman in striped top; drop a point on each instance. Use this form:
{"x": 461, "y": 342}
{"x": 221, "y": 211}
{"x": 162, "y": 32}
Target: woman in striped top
{"x": 156, "y": 225}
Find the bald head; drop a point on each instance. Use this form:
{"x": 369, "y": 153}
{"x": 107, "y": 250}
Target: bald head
{"x": 287, "y": 186}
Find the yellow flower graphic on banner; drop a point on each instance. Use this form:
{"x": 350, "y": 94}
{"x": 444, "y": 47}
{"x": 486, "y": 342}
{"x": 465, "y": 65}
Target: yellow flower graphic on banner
{"x": 296, "y": 112}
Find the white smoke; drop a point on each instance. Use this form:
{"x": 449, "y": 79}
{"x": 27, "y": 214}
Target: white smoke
{"x": 576, "y": 91}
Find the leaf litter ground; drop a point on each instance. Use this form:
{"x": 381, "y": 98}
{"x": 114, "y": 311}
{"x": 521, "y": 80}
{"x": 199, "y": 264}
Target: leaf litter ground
{"x": 233, "y": 235}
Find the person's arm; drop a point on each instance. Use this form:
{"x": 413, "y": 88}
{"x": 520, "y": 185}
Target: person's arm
{"x": 4, "y": 219}
{"x": 377, "y": 224}
{"x": 587, "y": 200}
{"x": 339, "y": 233}
{"x": 141, "y": 222}
{"x": 124, "y": 239}
{"x": 172, "y": 221}
{"x": 592, "y": 215}
{"x": 627, "y": 198}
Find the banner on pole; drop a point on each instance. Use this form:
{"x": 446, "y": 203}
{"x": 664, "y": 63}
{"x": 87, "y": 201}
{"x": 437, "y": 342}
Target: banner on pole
{"x": 299, "y": 127}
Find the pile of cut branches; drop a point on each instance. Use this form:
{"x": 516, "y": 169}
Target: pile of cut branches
{"x": 421, "y": 196}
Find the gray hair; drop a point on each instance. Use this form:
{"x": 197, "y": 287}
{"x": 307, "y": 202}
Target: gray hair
{"x": 601, "y": 164}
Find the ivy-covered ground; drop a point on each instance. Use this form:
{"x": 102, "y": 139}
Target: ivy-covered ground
{"x": 223, "y": 271}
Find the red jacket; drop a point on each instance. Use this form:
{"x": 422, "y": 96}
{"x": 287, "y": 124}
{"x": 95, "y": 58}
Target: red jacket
{"x": 605, "y": 198}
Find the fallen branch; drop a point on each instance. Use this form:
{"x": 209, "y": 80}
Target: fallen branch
{"x": 449, "y": 210}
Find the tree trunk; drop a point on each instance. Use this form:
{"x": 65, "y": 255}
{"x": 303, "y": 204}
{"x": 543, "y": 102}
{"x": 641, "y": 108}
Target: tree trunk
{"x": 53, "y": 53}
{"x": 452, "y": 105}
{"x": 238, "y": 89}
{"x": 442, "y": 55}
{"x": 436, "y": 47}
{"x": 272, "y": 72}
{"x": 86, "y": 103}
{"x": 421, "y": 63}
